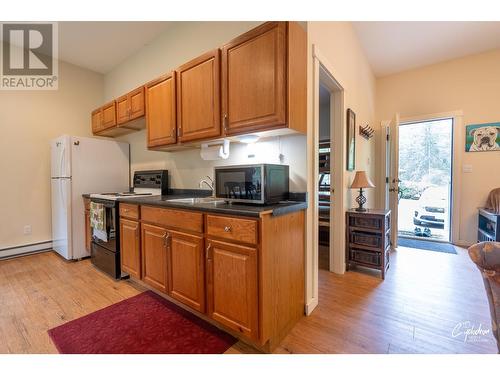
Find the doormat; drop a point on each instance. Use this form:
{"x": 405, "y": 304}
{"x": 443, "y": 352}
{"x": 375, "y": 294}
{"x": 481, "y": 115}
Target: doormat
{"x": 427, "y": 245}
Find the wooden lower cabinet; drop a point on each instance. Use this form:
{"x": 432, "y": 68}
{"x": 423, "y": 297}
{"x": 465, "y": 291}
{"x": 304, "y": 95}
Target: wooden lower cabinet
{"x": 154, "y": 256}
{"x": 244, "y": 274}
{"x": 232, "y": 286}
{"x": 187, "y": 269}
{"x": 130, "y": 247}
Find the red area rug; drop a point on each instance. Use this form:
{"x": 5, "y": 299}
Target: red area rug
{"x": 144, "y": 324}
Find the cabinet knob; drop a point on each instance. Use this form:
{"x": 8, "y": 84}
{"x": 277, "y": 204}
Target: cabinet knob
{"x": 227, "y": 229}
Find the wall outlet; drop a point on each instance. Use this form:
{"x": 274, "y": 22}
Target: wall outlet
{"x": 27, "y": 229}
{"x": 467, "y": 168}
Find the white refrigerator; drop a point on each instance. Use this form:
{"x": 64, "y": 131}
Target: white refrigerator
{"x": 82, "y": 165}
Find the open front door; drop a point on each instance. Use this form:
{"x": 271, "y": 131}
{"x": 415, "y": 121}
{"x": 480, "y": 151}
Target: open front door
{"x": 392, "y": 184}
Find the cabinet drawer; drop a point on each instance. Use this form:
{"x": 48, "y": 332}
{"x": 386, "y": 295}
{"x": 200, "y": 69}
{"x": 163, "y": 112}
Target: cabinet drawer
{"x": 367, "y": 257}
{"x": 191, "y": 221}
{"x": 241, "y": 230}
{"x": 130, "y": 211}
{"x": 366, "y": 239}
{"x": 374, "y": 223}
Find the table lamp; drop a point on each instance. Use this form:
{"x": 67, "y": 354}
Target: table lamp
{"x": 361, "y": 181}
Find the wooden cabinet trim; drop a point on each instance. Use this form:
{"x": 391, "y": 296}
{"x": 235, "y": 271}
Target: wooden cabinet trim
{"x": 129, "y": 211}
{"x": 109, "y": 108}
{"x": 161, "y": 282}
{"x": 135, "y": 113}
{"x": 230, "y": 228}
{"x": 130, "y": 251}
{"x": 190, "y": 221}
{"x": 170, "y": 136}
{"x": 244, "y": 254}
{"x": 214, "y": 130}
{"x": 188, "y": 273}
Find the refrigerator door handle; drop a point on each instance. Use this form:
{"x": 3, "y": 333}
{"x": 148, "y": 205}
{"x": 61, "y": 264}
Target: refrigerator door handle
{"x": 61, "y": 162}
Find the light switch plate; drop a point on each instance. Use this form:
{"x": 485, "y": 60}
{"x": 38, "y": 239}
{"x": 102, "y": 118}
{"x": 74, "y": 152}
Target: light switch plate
{"x": 467, "y": 168}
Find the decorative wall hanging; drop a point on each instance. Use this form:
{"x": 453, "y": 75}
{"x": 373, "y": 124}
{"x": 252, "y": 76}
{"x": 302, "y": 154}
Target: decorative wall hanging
{"x": 366, "y": 131}
{"x": 351, "y": 140}
{"x": 482, "y": 137}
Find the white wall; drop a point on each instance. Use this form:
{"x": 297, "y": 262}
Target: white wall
{"x": 28, "y": 121}
{"x": 177, "y": 45}
{"x": 338, "y": 43}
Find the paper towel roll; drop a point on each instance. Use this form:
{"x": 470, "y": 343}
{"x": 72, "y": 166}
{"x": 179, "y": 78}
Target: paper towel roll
{"x": 215, "y": 151}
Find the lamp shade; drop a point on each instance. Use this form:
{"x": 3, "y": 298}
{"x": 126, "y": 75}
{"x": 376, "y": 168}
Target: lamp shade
{"x": 361, "y": 180}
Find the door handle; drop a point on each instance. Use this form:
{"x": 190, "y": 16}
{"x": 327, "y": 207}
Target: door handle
{"x": 207, "y": 253}
{"x": 166, "y": 237}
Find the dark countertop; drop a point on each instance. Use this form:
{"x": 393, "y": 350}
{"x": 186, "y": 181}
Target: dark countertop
{"x": 237, "y": 209}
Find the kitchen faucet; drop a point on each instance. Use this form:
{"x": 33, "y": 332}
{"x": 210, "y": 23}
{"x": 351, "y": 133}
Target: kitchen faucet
{"x": 209, "y": 183}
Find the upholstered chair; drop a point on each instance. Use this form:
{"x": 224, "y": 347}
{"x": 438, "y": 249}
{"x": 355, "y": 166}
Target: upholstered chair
{"x": 486, "y": 256}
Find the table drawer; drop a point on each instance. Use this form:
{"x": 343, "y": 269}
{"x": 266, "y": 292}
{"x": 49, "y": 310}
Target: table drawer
{"x": 366, "y": 239}
{"x": 130, "y": 211}
{"x": 367, "y": 257}
{"x": 164, "y": 217}
{"x": 241, "y": 230}
{"x": 374, "y": 223}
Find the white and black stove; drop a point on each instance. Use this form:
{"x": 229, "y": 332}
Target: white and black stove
{"x": 145, "y": 183}
{"x": 105, "y": 248}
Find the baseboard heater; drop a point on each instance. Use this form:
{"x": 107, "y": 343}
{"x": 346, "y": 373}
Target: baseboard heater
{"x": 15, "y": 251}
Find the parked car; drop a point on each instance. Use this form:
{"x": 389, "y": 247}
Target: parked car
{"x": 432, "y": 208}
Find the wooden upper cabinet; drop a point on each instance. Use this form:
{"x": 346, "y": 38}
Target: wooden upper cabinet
{"x": 122, "y": 110}
{"x": 96, "y": 120}
{"x": 254, "y": 81}
{"x": 130, "y": 248}
{"x": 109, "y": 115}
{"x": 130, "y": 106}
{"x": 232, "y": 286}
{"x": 154, "y": 256}
{"x": 161, "y": 112}
{"x": 187, "y": 269}
{"x": 198, "y": 98}
{"x": 136, "y": 103}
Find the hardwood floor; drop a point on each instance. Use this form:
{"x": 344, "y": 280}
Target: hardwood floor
{"x": 414, "y": 310}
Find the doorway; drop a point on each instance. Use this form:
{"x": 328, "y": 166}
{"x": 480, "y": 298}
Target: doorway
{"x": 425, "y": 180}
{"x": 452, "y": 129}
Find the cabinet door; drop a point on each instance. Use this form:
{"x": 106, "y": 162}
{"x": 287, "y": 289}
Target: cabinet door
{"x": 160, "y": 111}
{"x": 232, "y": 286}
{"x": 130, "y": 250}
{"x": 136, "y": 103}
{"x": 88, "y": 231}
{"x": 96, "y": 120}
{"x": 254, "y": 80}
{"x": 187, "y": 269}
{"x": 122, "y": 110}
{"x": 198, "y": 98}
{"x": 109, "y": 115}
{"x": 154, "y": 257}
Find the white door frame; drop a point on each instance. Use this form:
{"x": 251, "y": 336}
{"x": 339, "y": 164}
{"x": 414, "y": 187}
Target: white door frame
{"x": 322, "y": 67}
{"x": 456, "y": 175}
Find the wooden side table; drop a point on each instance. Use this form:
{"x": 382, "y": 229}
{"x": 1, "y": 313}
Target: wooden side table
{"x": 368, "y": 239}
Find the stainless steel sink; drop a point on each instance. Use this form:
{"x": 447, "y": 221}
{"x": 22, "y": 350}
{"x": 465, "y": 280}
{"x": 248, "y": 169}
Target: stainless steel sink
{"x": 210, "y": 200}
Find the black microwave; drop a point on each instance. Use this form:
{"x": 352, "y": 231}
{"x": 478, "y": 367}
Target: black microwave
{"x": 256, "y": 183}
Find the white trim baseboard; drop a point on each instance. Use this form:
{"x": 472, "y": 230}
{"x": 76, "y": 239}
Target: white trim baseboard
{"x": 311, "y": 305}
{"x": 10, "y": 252}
